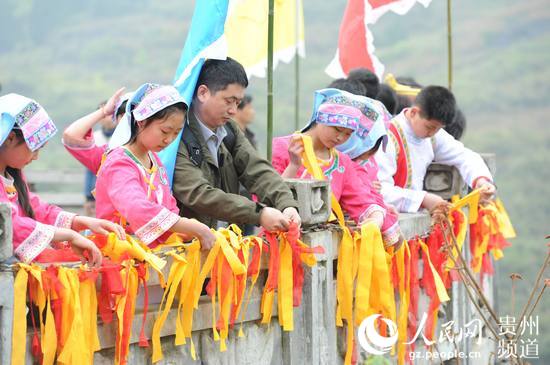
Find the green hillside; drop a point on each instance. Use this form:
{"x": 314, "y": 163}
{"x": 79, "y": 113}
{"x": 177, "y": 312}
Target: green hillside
{"x": 71, "y": 55}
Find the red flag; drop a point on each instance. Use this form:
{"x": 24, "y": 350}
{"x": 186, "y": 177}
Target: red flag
{"x": 355, "y": 40}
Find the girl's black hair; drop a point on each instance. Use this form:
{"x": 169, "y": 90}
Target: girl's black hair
{"x": 19, "y": 183}
{"x": 121, "y": 109}
{"x": 161, "y": 114}
{"x": 376, "y": 145}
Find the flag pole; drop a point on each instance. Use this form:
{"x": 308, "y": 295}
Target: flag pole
{"x": 270, "y": 78}
{"x": 449, "y": 46}
{"x": 297, "y": 70}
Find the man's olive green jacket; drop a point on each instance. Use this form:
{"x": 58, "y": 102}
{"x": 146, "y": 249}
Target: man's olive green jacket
{"x": 210, "y": 194}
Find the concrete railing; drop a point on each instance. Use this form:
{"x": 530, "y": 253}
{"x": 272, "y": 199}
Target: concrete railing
{"x": 315, "y": 339}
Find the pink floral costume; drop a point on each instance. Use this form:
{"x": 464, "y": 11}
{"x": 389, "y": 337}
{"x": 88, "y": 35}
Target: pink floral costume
{"x": 32, "y": 236}
{"x": 128, "y": 192}
{"x": 338, "y": 108}
{"x": 138, "y": 197}
{"x": 356, "y": 199}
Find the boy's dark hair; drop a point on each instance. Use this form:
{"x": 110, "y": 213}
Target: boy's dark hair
{"x": 388, "y": 97}
{"x": 247, "y": 99}
{"x": 408, "y": 81}
{"x": 19, "y": 183}
{"x": 218, "y": 74}
{"x": 161, "y": 114}
{"x": 436, "y": 103}
{"x": 402, "y": 103}
{"x": 351, "y": 86}
{"x": 457, "y": 126}
{"x": 367, "y": 78}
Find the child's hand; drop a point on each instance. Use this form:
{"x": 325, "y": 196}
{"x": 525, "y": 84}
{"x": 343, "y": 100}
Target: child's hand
{"x": 376, "y": 185}
{"x": 82, "y": 245}
{"x": 376, "y": 217}
{"x": 392, "y": 209}
{"x": 109, "y": 108}
{"x": 295, "y": 150}
{"x": 100, "y": 226}
{"x": 487, "y": 191}
{"x": 207, "y": 237}
{"x": 440, "y": 212}
{"x": 431, "y": 201}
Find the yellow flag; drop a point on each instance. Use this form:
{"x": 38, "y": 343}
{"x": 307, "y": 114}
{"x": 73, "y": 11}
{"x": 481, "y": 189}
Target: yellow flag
{"x": 246, "y": 33}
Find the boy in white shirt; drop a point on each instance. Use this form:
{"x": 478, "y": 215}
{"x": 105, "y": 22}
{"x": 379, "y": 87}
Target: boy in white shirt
{"x": 418, "y": 139}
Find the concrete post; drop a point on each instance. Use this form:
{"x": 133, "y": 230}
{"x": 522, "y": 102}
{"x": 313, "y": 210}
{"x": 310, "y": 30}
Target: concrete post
{"x": 6, "y": 284}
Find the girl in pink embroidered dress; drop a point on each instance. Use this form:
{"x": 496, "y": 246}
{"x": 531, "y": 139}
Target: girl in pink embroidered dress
{"x": 37, "y": 226}
{"x": 132, "y": 185}
{"x": 336, "y": 116}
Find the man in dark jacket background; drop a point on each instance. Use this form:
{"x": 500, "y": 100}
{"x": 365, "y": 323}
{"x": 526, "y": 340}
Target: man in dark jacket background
{"x": 214, "y": 156}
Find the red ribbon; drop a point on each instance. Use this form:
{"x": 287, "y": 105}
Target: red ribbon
{"x": 111, "y": 284}
{"x": 142, "y": 274}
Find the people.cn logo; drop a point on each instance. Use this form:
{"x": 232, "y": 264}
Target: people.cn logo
{"x": 371, "y": 341}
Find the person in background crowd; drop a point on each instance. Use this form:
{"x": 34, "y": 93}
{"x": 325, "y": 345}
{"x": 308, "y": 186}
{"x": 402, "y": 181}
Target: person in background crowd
{"x": 351, "y": 86}
{"x": 368, "y": 79}
{"x": 388, "y": 97}
{"x": 245, "y": 117}
{"x": 457, "y": 127}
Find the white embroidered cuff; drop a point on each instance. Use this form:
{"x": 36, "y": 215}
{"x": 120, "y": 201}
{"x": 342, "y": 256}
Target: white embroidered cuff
{"x": 161, "y": 223}
{"x": 371, "y": 209}
{"x": 391, "y": 235}
{"x": 64, "y": 219}
{"x": 38, "y": 240}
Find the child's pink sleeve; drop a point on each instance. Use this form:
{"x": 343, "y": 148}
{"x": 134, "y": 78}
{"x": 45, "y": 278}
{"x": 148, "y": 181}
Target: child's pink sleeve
{"x": 357, "y": 199}
{"x": 128, "y": 195}
{"x": 86, "y": 151}
{"x": 50, "y": 214}
{"x": 280, "y": 158}
{"x": 29, "y": 237}
{"x": 390, "y": 227}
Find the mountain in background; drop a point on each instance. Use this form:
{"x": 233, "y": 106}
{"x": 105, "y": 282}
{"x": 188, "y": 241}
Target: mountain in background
{"x": 72, "y": 55}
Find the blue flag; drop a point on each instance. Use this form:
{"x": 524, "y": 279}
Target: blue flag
{"x": 204, "y": 40}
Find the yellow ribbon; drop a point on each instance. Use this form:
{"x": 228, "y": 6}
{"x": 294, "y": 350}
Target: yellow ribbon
{"x": 504, "y": 222}
{"x": 49, "y": 335}
{"x": 285, "y": 285}
{"x": 309, "y": 159}
{"x": 72, "y": 325}
{"x": 177, "y": 270}
{"x": 400, "y": 89}
{"x": 187, "y": 300}
{"x": 471, "y": 201}
{"x": 88, "y": 304}
{"x": 252, "y": 240}
{"x": 19, "y": 335}
{"x": 402, "y": 256}
{"x": 117, "y": 248}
